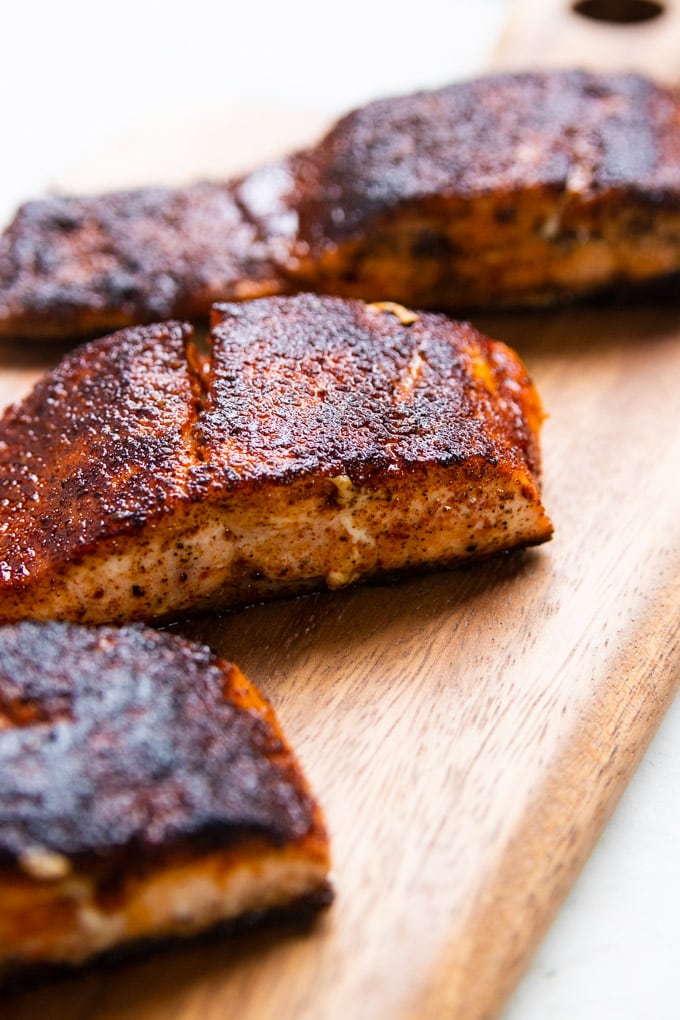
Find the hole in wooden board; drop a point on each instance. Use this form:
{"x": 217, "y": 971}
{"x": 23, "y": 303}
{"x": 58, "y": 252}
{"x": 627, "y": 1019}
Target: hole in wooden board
{"x": 622, "y": 12}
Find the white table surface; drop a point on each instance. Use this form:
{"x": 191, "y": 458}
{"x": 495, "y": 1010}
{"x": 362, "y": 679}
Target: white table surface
{"x": 75, "y": 77}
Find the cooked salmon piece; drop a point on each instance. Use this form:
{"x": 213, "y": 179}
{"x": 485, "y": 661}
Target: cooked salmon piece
{"x": 323, "y": 442}
{"x": 147, "y": 793}
{"x": 78, "y": 266}
{"x": 513, "y": 189}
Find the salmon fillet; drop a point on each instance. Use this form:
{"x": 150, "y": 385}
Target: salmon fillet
{"x": 323, "y": 442}
{"x": 74, "y": 267}
{"x": 179, "y": 803}
{"x": 513, "y": 189}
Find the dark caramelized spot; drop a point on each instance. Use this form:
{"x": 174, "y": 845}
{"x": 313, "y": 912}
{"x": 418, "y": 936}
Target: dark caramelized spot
{"x": 100, "y": 441}
{"x": 491, "y": 136}
{"x": 334, "y": 387}
{"x": 428, "y": 244}
{"x": 22, "y": 711}
{"x": 144, "y": 740}
{"x": 76, "y": 265}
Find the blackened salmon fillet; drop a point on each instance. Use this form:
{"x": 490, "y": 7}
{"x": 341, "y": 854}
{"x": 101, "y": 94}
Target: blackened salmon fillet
{"x": 512, "y": 189}
{"x": 147, "y": 792}
{"x": 74, "y": 267}
{"x": 324, "y": 441}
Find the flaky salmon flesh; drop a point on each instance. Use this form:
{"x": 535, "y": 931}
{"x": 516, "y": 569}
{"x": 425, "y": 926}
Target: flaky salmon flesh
{"x": 179, "y": 804}
{"x": 512, "y": 189}
{"x": 323, "y": 442}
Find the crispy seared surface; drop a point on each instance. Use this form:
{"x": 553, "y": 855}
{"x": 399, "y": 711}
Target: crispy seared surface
{"x": 161, "y": 745}
{"x": 174, "y": 778}
{"x": 341, "y": 387}
{"x": 76, "y": 266}
{"x": 327, "y": 441}
{"x": 497, "y": 136}
{"x": 511, "y": 189}
{"x": 517, "y": 188}
{"x": 100, "y": 443}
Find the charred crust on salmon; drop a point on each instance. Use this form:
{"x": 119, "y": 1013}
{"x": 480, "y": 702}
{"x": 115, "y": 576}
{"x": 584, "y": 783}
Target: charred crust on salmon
{"x": 149, "y": 728}
{"x": 357, "y": 390}
{"x": 520, "y": 188}
{"x": 513, "y": 189}
{"x": 567, "y": 131}
{"x": 75, "y": 266}
{"x": 325, "y": 441}
{"x": 172, "y": 770}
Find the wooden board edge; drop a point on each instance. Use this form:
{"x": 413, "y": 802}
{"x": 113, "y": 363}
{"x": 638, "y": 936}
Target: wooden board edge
{"x": 545, "y": 857}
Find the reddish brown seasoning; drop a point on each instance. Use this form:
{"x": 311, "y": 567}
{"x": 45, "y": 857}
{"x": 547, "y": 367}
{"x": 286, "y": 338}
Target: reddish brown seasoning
{"x": 501, "y": 135}
{"x": 74, "y": 266}
{"x": 99, "y": 446}
{"x": 510, "y": 189}
{"x": 312, "y": 385}
{"x": 158, "y": 746}
{"x": 137, "y": 482}
{"x": 147, "y": 793}
{"x": 154, "y": 743}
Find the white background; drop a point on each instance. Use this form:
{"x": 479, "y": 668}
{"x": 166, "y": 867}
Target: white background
{"x": 76, "y": 77}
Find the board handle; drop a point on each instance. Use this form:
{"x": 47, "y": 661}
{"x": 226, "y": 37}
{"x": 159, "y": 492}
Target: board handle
{"x": 598, "y": 35}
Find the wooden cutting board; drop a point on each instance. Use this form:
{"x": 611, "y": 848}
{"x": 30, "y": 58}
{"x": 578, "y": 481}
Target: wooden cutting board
{"x": 469, "y": 732}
